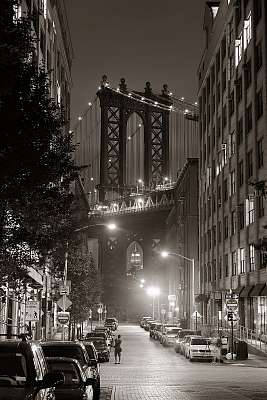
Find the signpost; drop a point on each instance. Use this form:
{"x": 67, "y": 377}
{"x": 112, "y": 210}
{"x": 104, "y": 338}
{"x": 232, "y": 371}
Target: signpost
{"x": 231, "y": 302}
{"x": 60, "y": 304}
{"x": 63, "y": 317}
{"x": 32, "y": 311}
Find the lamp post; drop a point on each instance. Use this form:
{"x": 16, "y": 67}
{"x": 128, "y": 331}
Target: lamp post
{"x": 165, "y": 254}
{"x": 154, "y": 292}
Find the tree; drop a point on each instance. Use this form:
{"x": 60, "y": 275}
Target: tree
{"x": 36, "y": 165}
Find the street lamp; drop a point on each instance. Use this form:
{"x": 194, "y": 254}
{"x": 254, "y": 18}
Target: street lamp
{"x": 165, "y": 254}
{"x": 154, "y": 292}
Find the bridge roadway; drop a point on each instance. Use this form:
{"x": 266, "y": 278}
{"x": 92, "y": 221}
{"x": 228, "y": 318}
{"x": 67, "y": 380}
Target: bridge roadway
{"x": 149, "y": 371}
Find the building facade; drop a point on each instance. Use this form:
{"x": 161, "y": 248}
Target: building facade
{"x": 182, "y": 238}
{"x": 233, "y": 164}
{"x": 54, "y": 54}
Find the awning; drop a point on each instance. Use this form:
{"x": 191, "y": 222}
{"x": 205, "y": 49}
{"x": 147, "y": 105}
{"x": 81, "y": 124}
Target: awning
{"x": 238, "y": 290}
{"x": 202, "y": 298}
{"x": 256, "y": 291}
{"x": 246, "y": 291}
{"x": 264, "y": 291}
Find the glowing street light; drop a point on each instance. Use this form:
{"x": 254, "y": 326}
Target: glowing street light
{"x": 154, "y": 292}
{"x": 112, "y": 226}
{"x": 142, "y": 280}
{"x": 164, "y": 254}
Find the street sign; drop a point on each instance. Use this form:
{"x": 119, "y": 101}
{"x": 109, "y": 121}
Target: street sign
{"x": 196, "y": 314}
{"x": 231, "y": 296}
{"x": 68, "y": 303}
{"x": 32, "y": 311}
{"x": 231, "y": 316}
{"x": 64, "y": 289}
{"x": 171, "y": 297}
{"x": 63, "y": 317}
{"x": 231, "y": 304}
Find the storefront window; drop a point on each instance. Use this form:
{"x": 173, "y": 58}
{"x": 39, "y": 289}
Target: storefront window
{"x": 261, "y": 317}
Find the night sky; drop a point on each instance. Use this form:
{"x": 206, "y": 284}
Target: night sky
{"x": 160, "y": 41}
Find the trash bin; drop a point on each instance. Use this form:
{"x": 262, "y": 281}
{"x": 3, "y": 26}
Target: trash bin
{"x": 241, "y": 350}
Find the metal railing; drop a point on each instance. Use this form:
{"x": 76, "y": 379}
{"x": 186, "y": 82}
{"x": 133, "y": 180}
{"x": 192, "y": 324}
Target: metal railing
{"x": 258, "y": 340}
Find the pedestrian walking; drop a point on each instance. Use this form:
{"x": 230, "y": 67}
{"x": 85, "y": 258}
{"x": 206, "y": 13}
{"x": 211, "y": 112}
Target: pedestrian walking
{"x": 117, "y": 349}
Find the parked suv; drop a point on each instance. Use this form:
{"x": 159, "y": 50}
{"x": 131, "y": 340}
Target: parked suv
{"x": 111, "y": 323}
{"x": 169, "y": 337}
{"x": 24, "y": 372}
{"x": 77, "y": 351}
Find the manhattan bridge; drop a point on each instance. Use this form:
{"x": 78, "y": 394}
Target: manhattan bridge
{"x": 130, "y": 147}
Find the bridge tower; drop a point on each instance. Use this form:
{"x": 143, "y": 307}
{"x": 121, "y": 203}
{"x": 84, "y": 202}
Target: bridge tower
{"x": 116, "y": 109}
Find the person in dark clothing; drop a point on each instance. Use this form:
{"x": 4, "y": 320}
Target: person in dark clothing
{"x": 117, "y": 349}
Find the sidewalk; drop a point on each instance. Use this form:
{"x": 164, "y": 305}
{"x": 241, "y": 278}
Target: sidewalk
{"x": 253, "y": 361}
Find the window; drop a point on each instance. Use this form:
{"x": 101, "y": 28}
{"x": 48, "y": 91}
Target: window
{"x": 223, "y": 48}
{"x": 258, "y": 56}
{"x": 238, "y": 50}
{"x": 259, "y": 104}
{"x": 232, "y": 183}
{"x": 238, "y": 12}
{"x": 249, "y": 164}
{"x": 219, "y": 231}
{"x": 260, "y": 157}
{"x": 231, "y": 104}
{"x": 247, "y": 31}
{"x": 241, "y": 213}
{"x": 233, "y": 222}
{"x": 250, "y": 210}
{"x": 242, "y": 261}
{"x": 231, "y": 66}
{"x": 214, "y": 236}
{"x": 218, "y": 64}
{"x": 234, "y": 263}
{"x": 232, "y": 144}
{"x": 225, "y": 227}
{"x": 240, "y": 131}
{"x": 248, "y": 76}
{"x": 219, "y": 195}
{"x": 251, "y": 257}
{"x": 240, "y": 173}
{"x": 218, "y": 92}
{"x": 218, "y": 127}
{"x": 224, "y": 117}
{"x": 220, "y": 268}
{"x": 260, "y": 206}
{"x": 225, "y": 190}
{"x": 214, "y": 275}
{"x": 226, "y": 265}
{"x": 248, "y": 117}
{"x": 239, "y": 90}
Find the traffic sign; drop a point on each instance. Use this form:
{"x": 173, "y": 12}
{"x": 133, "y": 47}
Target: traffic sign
{"x": 231, "y": 316}
{"x": 231, "y": 296}
{"x": 68, "y": 303}
{"x": 196, "y": 315}
{"x": 231, "y": 304}
{"x": 64, "y": 289}
{"x": 63, "y": 317}
{"x": 32, "y": 311}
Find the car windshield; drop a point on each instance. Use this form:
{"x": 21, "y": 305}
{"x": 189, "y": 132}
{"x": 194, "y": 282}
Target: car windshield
{"x": 71, "y": 373}
{"x": 200, "y": 342}
{"x": 110, "y": 320}
{"x": 182, "y": 334}
{"x": 64, "y": 351}
{"x": 90, "y": 351}
{"x": 172, "y": 331}
{"x": 13, "y": 369}
{"x": 99, "y": 343}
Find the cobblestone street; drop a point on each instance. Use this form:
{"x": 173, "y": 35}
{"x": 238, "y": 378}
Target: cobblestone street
{"x": 149, "y": 371}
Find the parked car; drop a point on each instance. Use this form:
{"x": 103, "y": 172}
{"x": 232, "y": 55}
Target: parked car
{"x": 92, "y": 354}
{"x": 199, "y": 348}
{"x": 102, "y": 349}
{"x": 76, "y": 385}
{"x": 157, "y": 331}
{"x": 152, "y": 326}
{"x": 169, "y": 336}
{"x": 107, "y": 331}
{"x": 184, "y": 342}
{"x": 112, "y": 323}
{"x": 143, "y": 321}
{"x": 24, "y": 372}
{"x": 91, "y": 335}
{"x": 163, "y": 330}
{"x": 77, "y": 351}
{"x": 180, "y": 336}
